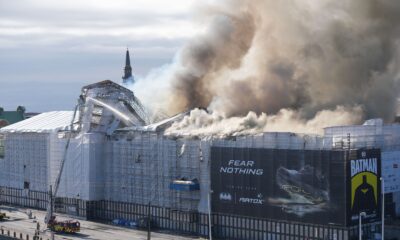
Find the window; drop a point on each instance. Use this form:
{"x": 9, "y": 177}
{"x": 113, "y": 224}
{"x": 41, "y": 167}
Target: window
{"x": 2, "y": 148}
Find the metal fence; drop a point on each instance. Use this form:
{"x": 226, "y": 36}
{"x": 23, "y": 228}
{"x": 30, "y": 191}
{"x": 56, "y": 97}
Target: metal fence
{"x": 223, "y": 226}
{"x": 40, "y": 200}
{"x": 189, "y": 222}
{"x": 23, "y": 197}
{"x": 239, "y": 227}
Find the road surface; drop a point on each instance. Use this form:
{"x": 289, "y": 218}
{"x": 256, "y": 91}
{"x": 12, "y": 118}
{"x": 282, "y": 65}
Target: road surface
{"x": 19, "y": 221}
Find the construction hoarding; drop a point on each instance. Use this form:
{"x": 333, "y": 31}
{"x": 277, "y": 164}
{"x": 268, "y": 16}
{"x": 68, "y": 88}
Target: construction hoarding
{"x": 391, "y": 171}
{"x": 364, "y": 185}
{"x": 310, "y": 186}
{"x": 295, "y": 185}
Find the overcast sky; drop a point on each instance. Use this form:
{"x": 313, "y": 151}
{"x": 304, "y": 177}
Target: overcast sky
{"x": 50, "y": 49}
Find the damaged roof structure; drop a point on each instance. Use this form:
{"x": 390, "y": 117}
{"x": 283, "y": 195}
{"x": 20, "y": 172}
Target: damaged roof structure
{"x": 116, "y": 156}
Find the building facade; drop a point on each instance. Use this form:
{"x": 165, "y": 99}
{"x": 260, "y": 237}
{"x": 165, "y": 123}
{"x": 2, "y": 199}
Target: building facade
{"x": 261, "y": 186}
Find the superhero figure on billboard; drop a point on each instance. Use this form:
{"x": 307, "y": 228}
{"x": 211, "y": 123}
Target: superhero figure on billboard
{"x": 364, "y": 199}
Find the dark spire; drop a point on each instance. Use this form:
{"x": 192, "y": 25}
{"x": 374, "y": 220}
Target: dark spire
{"x": 127, "y": 59}
{"x": 127, "y": 78}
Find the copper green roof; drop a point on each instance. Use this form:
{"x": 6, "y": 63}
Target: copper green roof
{"x": 10, "y": 117}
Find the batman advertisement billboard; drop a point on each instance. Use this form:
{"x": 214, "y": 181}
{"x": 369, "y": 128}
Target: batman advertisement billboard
{"x": 295, "y": 185}
{"x": 364, "y": 186}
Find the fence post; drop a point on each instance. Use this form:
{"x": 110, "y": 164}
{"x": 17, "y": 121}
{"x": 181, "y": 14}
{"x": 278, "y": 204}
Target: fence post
{"x": 149, "y": 222}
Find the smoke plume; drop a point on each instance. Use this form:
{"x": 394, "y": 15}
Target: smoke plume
{"x": 291, "y": 59}
{"x": 199, "y": 123}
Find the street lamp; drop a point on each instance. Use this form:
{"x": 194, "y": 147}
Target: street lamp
{"x": 209, "y": 215}
{"x": 149, "y": 221}
{"x": 362, "y": 214}
{"x": 383, "y": 207}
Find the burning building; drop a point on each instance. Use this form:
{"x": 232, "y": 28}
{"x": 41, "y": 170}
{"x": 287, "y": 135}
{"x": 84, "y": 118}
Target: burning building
{"x": 263, "y": 68}
{"x": 253, "y": 185}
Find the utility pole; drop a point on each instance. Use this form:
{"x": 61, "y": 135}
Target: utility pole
{"x": 383, "y": 207}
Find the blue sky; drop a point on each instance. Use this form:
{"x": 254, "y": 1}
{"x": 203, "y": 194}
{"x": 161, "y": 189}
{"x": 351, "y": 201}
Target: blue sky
{"x": 50, "y": 49}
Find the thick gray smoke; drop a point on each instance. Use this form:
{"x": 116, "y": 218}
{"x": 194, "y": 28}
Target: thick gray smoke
{"x": 199, "y": 123}
{"x": 265, "y": 55}
{"x": 299, "y": 56}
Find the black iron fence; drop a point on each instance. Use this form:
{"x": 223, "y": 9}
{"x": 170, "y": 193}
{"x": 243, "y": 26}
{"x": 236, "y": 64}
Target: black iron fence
{"x": 238, "y": 227}
{"x": 223, "y": 226}
{"x": 23, "y": 197}
{"x": 164, "y": 218}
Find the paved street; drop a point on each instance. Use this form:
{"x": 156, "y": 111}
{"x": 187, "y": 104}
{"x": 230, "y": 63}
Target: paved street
{"x": 20, "y": 222}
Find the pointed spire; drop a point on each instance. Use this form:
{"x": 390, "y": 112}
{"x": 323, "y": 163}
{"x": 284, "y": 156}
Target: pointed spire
{"x": 127, "y": 78}
{"x": 127, "y": 59}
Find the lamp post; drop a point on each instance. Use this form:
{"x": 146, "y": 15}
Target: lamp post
{"x": 383, "y": 207}
{"x": 209, "y": 216}
{"x": 362, "y": 214}
{"x": 149, "y": 221}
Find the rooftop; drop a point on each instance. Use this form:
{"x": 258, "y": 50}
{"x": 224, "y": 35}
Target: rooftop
{"x": 10, "y": 117}
{"x": 44, "y": 122}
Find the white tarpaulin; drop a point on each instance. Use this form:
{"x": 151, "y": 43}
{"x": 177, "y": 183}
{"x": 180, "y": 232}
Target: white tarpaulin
{"x": 391, "y": 170}
{"x": 44, "y": 122}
